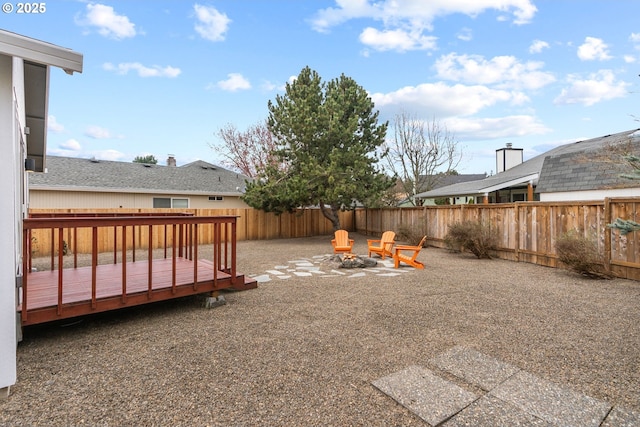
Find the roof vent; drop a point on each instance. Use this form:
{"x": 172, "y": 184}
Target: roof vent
{"x": 94, "y": 160}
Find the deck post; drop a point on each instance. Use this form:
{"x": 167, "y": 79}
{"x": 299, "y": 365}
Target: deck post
{"x": 150, "y": 263}
{"x": 124, "y": 264}
{"x": 94, "y": 266}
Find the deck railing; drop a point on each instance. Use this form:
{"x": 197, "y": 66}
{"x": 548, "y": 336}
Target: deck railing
{"x": 134, "y": 239}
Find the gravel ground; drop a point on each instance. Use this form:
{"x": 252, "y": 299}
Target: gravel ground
{"x": 303, "y": 351}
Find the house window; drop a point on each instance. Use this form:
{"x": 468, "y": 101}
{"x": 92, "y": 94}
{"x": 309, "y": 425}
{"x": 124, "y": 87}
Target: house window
{"x": 216, "y": 198}
{"x": 166, "y": 202}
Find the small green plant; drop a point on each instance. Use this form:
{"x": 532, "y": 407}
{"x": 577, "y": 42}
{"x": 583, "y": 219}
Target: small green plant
{"x": 580, "y": 254}
{"x": 473, "y": 236}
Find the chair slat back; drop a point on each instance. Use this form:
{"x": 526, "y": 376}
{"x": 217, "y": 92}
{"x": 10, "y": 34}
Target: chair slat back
{"x": 342, "y": 237}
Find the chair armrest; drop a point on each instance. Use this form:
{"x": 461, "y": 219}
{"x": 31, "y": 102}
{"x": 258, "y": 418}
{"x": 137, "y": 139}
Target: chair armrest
{"x": 407, "y": 248}
{"x": 374, "y": 240}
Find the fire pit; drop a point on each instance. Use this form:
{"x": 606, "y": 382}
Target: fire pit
{"x": 349, "y": 260}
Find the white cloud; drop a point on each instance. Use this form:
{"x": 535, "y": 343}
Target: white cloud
{"x": 496, "y": 127}
{"x": 97, "y": 132}
{"x": 502, "y": 71}
{"x": 635, "y": 37}
{"x": 629, "y": 59}
{"x": 53, "y": 125}
{"x": 416, "y": 13}
{"x": 441, "y": 100}
{"x": 212, "y": 25}
{"x": 107, "y": 22}
{"x": 537, "y": 46}
{"x": 598, "y": 87}
{"x": 466, "y": 34}
{"x": 399, "y": 40}
{"x": 71, "y": 145}
{"x": 234, "y": 83}
{"x": 593, "y": 49}
{"x": 143, "y": 71}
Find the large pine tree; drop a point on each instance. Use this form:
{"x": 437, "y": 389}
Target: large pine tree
{"x": 328, "y": 141}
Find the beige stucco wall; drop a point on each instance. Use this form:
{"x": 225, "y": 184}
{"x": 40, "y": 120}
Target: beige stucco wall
{"x": 47, "y": 199}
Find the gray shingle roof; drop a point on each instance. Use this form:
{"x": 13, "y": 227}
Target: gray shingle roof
{"x": 531, "y": 170}
{"x": 74, "y": 174}
{"x": 595, "y": 167}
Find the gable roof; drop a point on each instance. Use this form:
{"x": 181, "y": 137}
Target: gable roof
{"x": 196, "y": 178}
{"x": 525, "y": 172}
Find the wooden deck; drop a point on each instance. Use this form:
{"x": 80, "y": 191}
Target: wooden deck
{"x": 61, "y": 293}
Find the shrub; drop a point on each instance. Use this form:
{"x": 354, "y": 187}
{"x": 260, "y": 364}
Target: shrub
{"x": 410, "y": 234}
{"x": 581, "y": 255}
{"x": 473, "y": 236}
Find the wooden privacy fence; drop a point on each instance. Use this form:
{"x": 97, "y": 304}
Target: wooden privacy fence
{"x": 252, "y": 224}
{"x": 527, "y": 231}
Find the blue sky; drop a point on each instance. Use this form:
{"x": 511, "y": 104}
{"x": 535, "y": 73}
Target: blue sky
{"x": 162, "y": 77}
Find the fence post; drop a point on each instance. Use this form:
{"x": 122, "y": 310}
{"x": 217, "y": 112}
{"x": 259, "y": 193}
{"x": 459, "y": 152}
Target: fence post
{"x": 516, "y": 219}
{"x": 607, "y": 234}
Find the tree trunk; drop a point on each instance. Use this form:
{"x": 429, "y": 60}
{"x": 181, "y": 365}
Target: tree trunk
{"x": 331, "y": 214}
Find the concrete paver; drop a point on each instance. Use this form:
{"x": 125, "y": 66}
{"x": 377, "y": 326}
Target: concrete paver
{"x": 551, "y": 402}
{"x": 428, "y": 396}
{"x": 474, "y": 367}
{"x": 489, "y": 411}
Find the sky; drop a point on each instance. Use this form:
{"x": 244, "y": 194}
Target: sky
{"x": 162, "y": 77}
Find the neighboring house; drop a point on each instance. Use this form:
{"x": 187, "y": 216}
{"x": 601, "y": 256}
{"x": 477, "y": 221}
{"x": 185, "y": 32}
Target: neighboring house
{"x": 24, "y": 92}
{"x": 445, "y": 181}
{"x": 100, "y": 184}
{"x": 567, "y": 172}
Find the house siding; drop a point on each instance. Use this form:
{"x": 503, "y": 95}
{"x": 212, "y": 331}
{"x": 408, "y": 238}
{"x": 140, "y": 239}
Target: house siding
{"x": 561, "y": 196}
{"x": 10, "y": 213}
{"x": 52, "y": 199}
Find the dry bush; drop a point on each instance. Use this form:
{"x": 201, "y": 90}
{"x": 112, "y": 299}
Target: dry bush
{"x": 581, "y": 255}
{"x": 410, "y": 234}
{"x": 473, "y": 236}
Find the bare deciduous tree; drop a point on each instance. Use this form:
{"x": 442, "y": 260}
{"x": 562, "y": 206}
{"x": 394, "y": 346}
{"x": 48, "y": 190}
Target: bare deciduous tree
{"x": 421, "y": 153}
{"x": 248, "y": 151}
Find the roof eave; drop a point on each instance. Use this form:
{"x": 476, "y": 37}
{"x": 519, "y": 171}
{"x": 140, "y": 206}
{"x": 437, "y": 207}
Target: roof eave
{"x": 132, "y": 190}
{"x": 40, "y": 52}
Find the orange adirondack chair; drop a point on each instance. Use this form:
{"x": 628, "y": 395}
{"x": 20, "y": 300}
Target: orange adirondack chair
{"x": 398, "y": 256}
{"x": 383, "y": 245}
{"x": 342, "y": 242}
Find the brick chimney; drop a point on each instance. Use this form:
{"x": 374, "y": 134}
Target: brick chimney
{"x": 171, "y": 161}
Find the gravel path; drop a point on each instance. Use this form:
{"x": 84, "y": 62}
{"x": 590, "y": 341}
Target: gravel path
{"x": 304, "y": 350}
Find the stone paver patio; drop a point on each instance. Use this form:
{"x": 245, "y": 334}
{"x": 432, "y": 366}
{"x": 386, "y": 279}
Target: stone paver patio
{"x": 504, "y": 395}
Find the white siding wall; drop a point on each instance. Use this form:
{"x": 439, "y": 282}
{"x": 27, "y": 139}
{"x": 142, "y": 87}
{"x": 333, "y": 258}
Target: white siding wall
{"x": 10, "y": 176}
{"x": 41, "y": 199}
{"x": 589, "y": 195}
